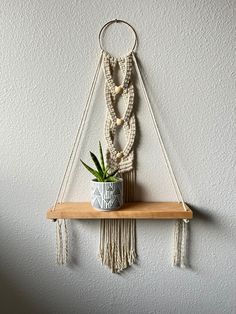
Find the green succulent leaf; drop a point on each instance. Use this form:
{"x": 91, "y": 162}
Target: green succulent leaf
{"x": 101, "y": 157}
{"x": 97, "y": 164}
{"x": 94, "y": 172}
{"x": 113, "y": 173}
{"x": 111, "y": 179}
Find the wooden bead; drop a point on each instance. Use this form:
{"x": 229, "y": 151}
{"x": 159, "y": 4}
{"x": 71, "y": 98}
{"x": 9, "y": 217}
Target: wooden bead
{"x": 118, "y": 89}
{"x": 119, "y": 155}
{"x": 119, "y": 121}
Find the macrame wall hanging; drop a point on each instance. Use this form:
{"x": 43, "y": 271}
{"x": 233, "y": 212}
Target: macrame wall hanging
{"x": 117, "y": 248}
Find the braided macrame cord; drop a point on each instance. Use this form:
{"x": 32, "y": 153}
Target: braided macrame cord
{"x": 118, "y": 236}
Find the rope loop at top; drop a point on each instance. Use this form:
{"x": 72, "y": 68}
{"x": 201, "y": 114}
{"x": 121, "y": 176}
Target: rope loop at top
{"x": 105, "y": 26}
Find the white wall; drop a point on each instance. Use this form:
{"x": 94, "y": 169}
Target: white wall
{"x": 49, "y": 50}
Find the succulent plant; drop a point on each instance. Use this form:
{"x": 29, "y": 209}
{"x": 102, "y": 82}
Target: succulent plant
{"x": 103, "y": 173}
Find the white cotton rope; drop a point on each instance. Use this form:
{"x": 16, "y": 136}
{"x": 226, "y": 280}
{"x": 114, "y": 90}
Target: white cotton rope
{"x": 62, "y": 237}
{"x": 181, "y": 230}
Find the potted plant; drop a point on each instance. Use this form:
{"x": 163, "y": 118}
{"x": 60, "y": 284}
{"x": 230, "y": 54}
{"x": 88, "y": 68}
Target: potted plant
{"x": 106, "y": 187}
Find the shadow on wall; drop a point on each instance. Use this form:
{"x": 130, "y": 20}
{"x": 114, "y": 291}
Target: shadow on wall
{"x": 206, "y": 217}
{"x": 202, "y": 214}
{"x": 13, "y": 301}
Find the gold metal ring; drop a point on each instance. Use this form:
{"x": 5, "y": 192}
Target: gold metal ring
{"x": 117, "y": 21}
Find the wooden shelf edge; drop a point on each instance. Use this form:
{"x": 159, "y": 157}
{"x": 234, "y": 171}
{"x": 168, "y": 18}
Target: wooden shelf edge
{"x": 134, "y": 210}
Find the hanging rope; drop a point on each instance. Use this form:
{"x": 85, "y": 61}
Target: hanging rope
{"x": 74, "y": 150}
{"x": 61, "y": 226}
{"x": 181, "y": 230}
{"x": 167, "y": 161}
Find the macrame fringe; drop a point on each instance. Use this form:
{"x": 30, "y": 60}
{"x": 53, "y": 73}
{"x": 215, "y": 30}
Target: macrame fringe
{"x": 118, "y": 236}
{"x": 62, "y": 241}
{"x": 117, "y": 243}
{"x": 181, "y": 237}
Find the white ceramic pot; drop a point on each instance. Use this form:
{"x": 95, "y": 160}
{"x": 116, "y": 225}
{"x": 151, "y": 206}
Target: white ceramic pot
{"x": 107, "y": 196}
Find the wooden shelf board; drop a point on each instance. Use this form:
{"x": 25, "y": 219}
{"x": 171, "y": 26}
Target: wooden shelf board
{"x": 135, "y": 210}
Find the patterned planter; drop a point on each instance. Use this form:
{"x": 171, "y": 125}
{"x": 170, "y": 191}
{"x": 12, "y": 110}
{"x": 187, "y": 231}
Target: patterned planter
{"x": 107, "y": 196}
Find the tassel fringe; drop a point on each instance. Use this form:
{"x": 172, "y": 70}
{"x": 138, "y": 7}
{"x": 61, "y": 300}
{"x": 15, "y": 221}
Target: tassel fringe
{"x": 62, "y": 241}
{"x": 181, "y": 236}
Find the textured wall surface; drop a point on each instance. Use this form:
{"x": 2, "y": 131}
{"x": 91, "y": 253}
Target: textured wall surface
{"x": 49, "y": 51}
